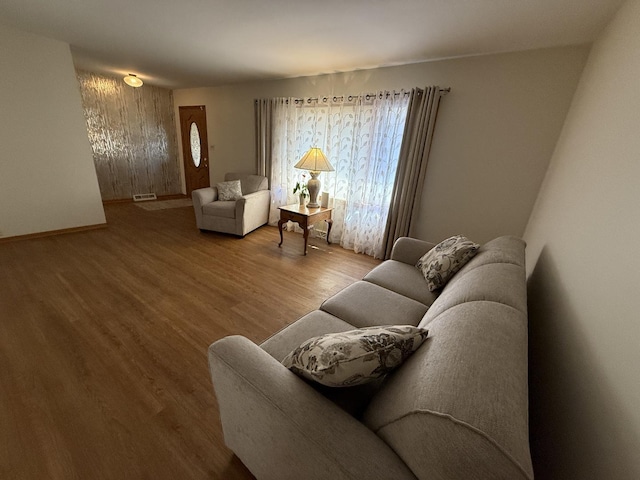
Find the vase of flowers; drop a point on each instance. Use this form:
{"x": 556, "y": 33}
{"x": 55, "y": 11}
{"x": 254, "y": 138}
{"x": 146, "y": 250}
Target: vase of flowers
{"x": 302, "y": 190}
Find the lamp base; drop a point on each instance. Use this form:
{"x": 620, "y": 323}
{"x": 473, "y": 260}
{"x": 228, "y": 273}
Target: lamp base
{"x": 313, "y": 185}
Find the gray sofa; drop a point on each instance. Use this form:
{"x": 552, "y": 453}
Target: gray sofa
{"x": 237, "y": 217}
{"x": 456, "y": 409}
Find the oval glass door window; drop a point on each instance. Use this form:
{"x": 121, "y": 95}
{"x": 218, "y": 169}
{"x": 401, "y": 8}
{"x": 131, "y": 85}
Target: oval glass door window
{"x": 194, "y": 135}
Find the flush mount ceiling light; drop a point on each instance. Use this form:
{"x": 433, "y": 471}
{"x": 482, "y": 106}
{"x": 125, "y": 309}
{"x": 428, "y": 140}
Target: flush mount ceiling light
{"x": 133, "y": 81}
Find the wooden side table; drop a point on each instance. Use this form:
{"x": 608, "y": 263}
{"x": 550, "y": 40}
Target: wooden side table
{"x": 306, "y": 218}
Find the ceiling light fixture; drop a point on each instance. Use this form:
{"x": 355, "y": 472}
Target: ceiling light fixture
{"x": 133, "y": 81}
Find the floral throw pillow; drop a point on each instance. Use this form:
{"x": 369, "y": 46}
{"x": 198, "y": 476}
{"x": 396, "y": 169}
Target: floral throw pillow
{"x": 229, "y": 190}
{"x": 440, "y": 263}
{"x": 355, "y": 357}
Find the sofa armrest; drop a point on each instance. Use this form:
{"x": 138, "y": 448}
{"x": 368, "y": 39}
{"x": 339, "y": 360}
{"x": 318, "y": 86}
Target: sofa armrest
{"x": 409, "y": 250}
{"x": 282, "y": 428}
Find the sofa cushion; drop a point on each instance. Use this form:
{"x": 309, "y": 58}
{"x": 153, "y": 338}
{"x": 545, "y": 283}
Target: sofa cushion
{"x": 220, "y": 209}
{"x": 505, "y": 249}
{"x": 364, "y": 304}
{"x": 354, "y": 357}
{"x": 312, "y": 324}
{"x": 494, "y": 282}
{"x": 441, "y": 263}
{"x": 353, "y": 400}
{"x": 495, "y": 274}
{"x": 465, "y": 390}
{"x": 402, "y": 278}
{"x": 230, "y": 190}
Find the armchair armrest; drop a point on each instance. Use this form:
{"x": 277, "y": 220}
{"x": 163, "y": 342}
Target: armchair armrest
{"x": 409, "y": 250}
{"x": 281, "y": 428}
{"x": 261, "y": 197}
{"x": 202, "y": 196}
{"x": 253, "y": 209}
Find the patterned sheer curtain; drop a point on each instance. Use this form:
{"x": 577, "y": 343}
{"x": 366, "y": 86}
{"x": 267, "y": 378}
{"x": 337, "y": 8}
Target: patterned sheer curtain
{"x": 361, "y": 136}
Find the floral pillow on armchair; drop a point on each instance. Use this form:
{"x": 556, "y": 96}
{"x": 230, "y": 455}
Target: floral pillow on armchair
{"x": 231, "y": 190}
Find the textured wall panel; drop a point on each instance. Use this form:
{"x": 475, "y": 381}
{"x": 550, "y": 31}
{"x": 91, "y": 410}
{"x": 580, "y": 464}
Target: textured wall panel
{"x": 133, "y": 136}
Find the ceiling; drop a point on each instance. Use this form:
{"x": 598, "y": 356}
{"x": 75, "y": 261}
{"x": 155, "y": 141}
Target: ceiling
{"x": 196, "y": 43}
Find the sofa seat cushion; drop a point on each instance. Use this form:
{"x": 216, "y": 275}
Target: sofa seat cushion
{"x": 311, "y": 325}
{"x": 365, "y": 304}
{"x": 225, "y": 209}
{"x": 404, "y": 279}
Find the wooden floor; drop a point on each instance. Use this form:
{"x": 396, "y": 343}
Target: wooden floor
{"x": 104, "y": 334}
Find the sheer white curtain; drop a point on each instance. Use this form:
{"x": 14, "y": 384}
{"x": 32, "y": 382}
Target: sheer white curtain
{"x": 361, "y": 136}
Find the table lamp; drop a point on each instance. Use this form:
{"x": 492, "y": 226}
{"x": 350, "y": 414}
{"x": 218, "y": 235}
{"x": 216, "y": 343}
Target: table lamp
{"x": 314, "y": 161}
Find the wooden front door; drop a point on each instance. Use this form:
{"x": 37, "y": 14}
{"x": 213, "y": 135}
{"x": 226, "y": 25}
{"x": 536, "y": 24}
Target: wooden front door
{"x": 195, "y": 148}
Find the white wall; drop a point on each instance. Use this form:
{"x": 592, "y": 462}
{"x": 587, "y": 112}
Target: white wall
{"x": 495, "y": 135}
{"x": 47, "y": 177}
{"x": 584, "y": 274}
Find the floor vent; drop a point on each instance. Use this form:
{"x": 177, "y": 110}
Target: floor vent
{"x": 143, "y": 197}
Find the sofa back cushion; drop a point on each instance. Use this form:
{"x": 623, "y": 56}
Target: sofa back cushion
{"x": 496, "y": 274}
{"x": 458, "y": 408}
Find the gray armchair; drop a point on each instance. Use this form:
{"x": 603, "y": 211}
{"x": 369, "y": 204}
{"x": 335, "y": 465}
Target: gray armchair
{"x": 237, "y": 217}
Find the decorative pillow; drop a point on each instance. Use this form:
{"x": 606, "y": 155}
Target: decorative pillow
{"x": 229, "y": 190}
{"x": 440, "y": 263}
{"x": 355, "y": 357}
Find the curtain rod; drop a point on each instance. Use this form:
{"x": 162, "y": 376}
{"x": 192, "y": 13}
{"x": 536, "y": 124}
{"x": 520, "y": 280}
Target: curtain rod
{"x": 350, "y": 98}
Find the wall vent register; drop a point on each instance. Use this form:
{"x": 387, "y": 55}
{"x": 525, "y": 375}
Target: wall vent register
{"x": 143, "y": 197}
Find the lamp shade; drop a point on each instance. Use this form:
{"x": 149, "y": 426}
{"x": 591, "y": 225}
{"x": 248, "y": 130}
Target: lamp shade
{"x": 133, "y": 81}
{"x": 314, "y": 161}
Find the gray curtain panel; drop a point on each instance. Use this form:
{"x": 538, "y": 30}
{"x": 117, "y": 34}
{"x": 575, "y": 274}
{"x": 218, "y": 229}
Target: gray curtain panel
{"x": 264, "y": 136}
{"x": 412, "y": 164}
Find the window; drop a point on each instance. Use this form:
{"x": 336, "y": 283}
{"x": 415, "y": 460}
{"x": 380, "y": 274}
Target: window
{"x": 361, "y": 136}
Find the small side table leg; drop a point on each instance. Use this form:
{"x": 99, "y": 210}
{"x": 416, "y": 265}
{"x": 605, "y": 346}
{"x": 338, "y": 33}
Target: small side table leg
{"x": 280, "y": 223}
{"x": 306, "y": 236}
{"x": 329, "y": 225}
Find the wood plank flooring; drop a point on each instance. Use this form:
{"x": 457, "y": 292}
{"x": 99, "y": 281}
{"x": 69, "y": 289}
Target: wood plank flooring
{"x": 104, "y": 334}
